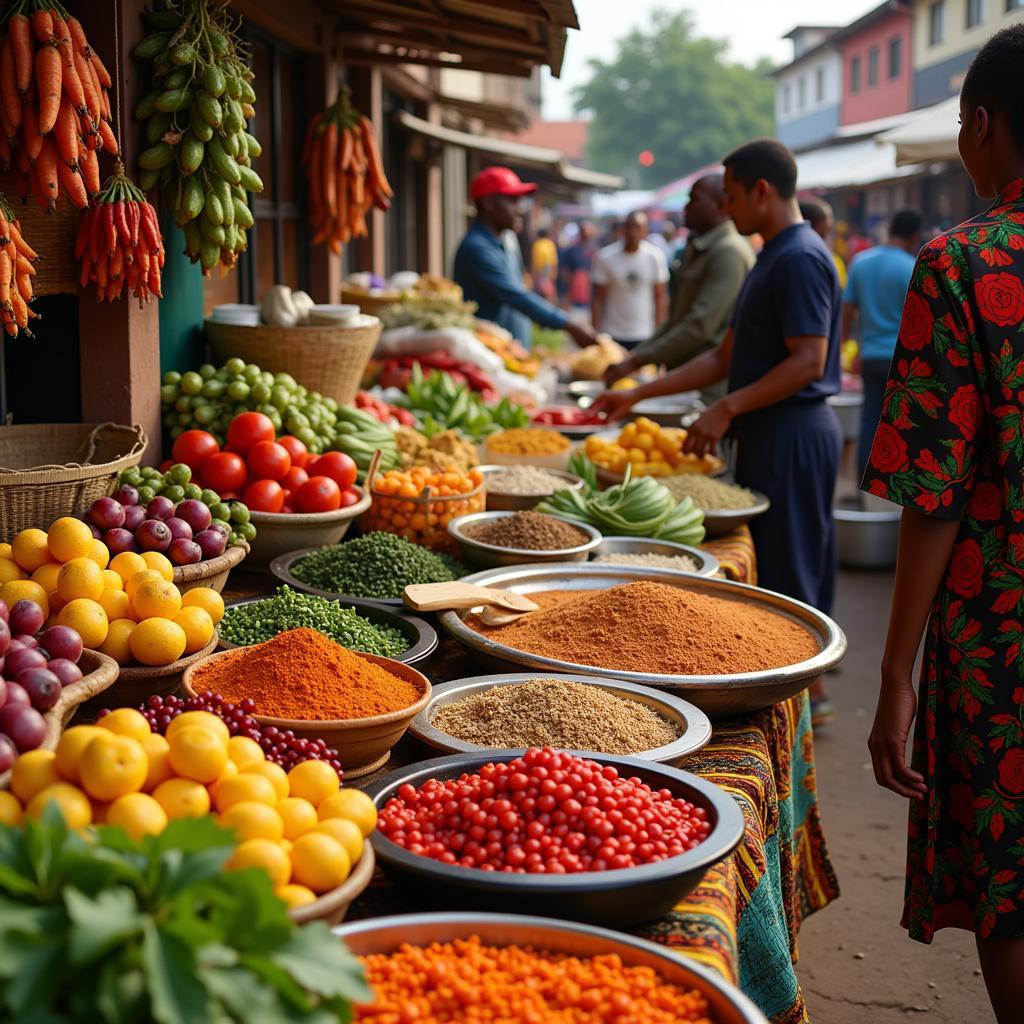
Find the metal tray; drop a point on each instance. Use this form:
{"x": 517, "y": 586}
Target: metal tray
{"x": 720, "y": 521}
{"x": 707, "y": 564}
{"x": 621, "y": 897}
{"x": 498, "y": 501}
{"x": 421, "y": 635}
{"x": 714, "y": 695}
{"x": 726, "y": 1003}
{"x": 690, "y": 722}
{"x": 479, "y": 553}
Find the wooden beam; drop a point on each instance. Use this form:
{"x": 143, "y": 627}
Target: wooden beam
{"x": 419, "y": 45}
{"x": 363, "y": 57}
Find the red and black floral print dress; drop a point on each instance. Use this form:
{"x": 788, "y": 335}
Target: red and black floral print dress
{"x": 951, "y": 444}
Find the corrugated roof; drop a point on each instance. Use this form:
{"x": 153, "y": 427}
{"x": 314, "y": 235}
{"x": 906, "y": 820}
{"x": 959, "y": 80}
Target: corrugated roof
{"x": 568, "y": 136}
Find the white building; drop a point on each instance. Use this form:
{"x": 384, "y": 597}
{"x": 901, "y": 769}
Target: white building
{"x": 808, "y": 90}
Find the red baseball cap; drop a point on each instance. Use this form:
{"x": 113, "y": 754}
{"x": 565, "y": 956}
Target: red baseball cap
{"x": 499, "y": 181}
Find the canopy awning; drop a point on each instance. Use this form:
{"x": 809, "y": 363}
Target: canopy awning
{"x": 853, "y": 164}
{"x": 676, "y": 193}
{"x": 550, "y": 160}
{"x": 929, "y": 136}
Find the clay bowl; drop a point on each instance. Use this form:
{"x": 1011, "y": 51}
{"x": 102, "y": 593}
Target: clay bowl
{"x": 212, "y": 573}
{"x": 332, "y": 907}
{"x": 137, "y": 682}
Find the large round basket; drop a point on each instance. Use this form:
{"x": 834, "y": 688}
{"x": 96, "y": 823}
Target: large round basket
{"x": 137, "y": 682}
{"x": 332, "y": 907}
{"x": 212, "y": 573}
{"x": 330, "y": 360}
{"x": 49, "y": 470}
{"x": 99, "y": 672}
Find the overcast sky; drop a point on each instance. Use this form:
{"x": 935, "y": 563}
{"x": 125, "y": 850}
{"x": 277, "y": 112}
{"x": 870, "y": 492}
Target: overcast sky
{"x": 753, "y": 28}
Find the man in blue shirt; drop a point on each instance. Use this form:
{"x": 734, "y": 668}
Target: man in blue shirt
{"x": 489, "y": 265}
{"x": 874, "y": 294}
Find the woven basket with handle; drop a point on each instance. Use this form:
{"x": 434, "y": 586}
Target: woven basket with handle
{"x": 49, "y": 470}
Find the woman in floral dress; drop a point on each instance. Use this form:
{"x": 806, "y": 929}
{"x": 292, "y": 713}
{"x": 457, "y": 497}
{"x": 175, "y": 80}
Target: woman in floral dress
{"x": 950, "y": 450}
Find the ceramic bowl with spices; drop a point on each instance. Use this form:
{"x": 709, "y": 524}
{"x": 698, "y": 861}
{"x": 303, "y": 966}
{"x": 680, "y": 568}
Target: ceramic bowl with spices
{"x": 514, "y": 488}
{"x": 655, "y": 554}
{"x": 726, "y": 506}
{"x": 525, "y": 709}
{"x": 491, "y": 539}
{"x": 359, "y": 704}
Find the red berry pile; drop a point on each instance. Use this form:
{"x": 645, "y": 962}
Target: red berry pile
{"x": 543, "y": 813}
{"x": 279, "y": 745}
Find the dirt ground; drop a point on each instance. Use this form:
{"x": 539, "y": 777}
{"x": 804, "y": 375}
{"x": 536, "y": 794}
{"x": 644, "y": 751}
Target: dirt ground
{"x": 857, "y": 965}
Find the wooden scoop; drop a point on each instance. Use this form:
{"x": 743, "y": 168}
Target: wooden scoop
{"x": 435, "y": 597}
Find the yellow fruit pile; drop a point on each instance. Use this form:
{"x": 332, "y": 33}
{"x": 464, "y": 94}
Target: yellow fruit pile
{"x": 127, "y": 607}
{"x": 651, "y": 450}
{"x": 300, "y": 826}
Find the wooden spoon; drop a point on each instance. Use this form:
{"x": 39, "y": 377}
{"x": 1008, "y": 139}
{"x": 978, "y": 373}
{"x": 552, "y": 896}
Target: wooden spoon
{"x": 433, "y": 597}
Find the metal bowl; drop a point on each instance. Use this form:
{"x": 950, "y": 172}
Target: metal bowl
{"x": 720, "y": 521}
{"x": 476, "y": 552}
{"x": 589, "y": 389}
{"x": 421, "y": 636}
{"x": 848, "y": 406}
{"x": 622, "y": 897}
{"x": 669, "y": 410}
{"x": 867, "y": 540}
{"x": 498, "y": 502}
{"x": 727, "y": 1005}
{"x": 715, "y": 695}
{"x": 707, "y": 564}
{"x": 690, "y": 723}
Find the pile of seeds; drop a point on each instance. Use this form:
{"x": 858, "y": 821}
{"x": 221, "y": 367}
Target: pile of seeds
{"x": 247, "y": 624}
{"x": 523, "y": 480}
{"x": 708, "y": 493}
{"x": 681, "y": 563}
{"x": 528, "y": 531}
{"x": 376, "y": 565}
{"x": 554, "y": 713}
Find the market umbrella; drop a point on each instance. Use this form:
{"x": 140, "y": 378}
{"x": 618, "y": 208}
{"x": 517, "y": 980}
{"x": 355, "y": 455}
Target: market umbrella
{"x": 930, "y": 136}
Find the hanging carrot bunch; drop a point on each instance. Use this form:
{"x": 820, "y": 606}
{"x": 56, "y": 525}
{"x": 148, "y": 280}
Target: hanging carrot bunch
{"x": 344, "y": 173}
{"x": 16, "y": 273}
{"x": 119, "y": 242}
{"x": 55, "y": 111}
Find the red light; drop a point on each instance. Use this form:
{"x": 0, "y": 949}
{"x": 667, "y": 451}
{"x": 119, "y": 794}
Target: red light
{"x": 646, "y": 158}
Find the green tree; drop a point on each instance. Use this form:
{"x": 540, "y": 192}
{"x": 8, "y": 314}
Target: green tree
{"x": 674, "y": 93}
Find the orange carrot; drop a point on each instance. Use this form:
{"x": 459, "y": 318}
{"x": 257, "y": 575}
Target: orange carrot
{"x": 78, "y": 39}
{"x": 72, "y": 182}
{"x": 326, "y": 168}
{"x": 60, "y": 31}
{"x": 5, "y": 280}
{"x": 20, "y": 308}
{"x": 89, "y": 165}
{"x": 307, "y": 142}
{"x": 71, "y": 81}
{"x": 107, "y": 135}
{"x": 65, "y": 131}
{"x": 20, "y": 30}
{"x": 89, "y": 87}
{"x": 45, "y": 169}
{"x": 101, "y": 72}
{"x": 42, "y": 25}
{"x": 345, "y": 150}
{"x": 24, "y": 248}
{"x": 30, "y": 137}
{"x": 22, "y": 265}
{"x": 9, "y": 84}
{"x": 48, "y": 77}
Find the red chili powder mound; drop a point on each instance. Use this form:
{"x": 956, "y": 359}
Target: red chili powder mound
{"x": 652, "y": 627}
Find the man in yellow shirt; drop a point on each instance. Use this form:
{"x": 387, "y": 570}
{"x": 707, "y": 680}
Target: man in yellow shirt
{"x": 544, "y": 264}
{"x": 819, "y": 215}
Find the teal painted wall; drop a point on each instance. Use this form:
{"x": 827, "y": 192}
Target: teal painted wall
{"x": 181, "y": 309}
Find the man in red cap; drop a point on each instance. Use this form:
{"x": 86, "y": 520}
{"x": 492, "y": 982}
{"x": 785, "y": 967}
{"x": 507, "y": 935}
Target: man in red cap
{"x": 489, "y": 266}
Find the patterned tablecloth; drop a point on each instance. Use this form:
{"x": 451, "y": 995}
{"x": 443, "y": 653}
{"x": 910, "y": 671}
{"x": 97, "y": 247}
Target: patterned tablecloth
{"x": 735, "y": 554}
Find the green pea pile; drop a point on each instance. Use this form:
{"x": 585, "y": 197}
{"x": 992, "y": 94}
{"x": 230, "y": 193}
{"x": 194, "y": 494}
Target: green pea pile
{"x": 376, "y": 565}
{"x": 247, "y": 624}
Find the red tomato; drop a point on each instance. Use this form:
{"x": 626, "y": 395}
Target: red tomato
{"x": 247, "y": 429}
{"x": 194, "y": 447}
{"x": 317, "y": 494}
{"x": 296, "y": 449}
{"x": 350, "y": 496}
{"x": 268, "y": 460}
{"x": 337, "y": 465}
{"x": 294, "y": 478}
{"x": 264, "y": 496}
{"x": 224, "y": 471}
{"x": 166, "y": 465}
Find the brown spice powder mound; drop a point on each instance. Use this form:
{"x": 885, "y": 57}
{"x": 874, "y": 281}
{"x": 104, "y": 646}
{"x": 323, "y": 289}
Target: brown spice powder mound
{"x": 655, "y": 628}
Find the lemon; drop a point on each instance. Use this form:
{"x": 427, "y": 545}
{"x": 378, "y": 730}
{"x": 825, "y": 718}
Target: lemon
{"x": 87, "y": 617}
{"x": 69, "y": 538}
{"x": 157, "y": 642}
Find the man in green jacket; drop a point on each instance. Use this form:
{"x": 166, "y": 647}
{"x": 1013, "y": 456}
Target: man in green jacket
{"x": 714, "y": 264}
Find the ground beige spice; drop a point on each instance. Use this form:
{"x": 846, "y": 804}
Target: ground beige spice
{"x": 655, "y": 628}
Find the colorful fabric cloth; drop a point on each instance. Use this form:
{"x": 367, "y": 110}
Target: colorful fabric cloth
{"x": 950, "y": 445}
{"x": 735, "y": 554}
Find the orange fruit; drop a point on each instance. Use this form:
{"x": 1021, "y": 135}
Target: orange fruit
{"x": 230, "y": 771}
{"x": 252, "y": 820}
{"x": 116, "y": 604}
{"x": 314, "y": 781}
{"x": 299, "y": 816}
{"x": 138, "y": 814}
{"x": 126, "y": 722}
{"x": 99, "y": 553}
{"x": 112, "y": 765}
{"x": 294, "y": 896}
{"x": 157, "y": 641}
{"x": 345, "y": 832}
{"x": 158, "y": 755}
{"x": 32, "y": 772}
{"x": 6, "y": 551}
{"x": 206, "y": 598}
{"x": 88, "y": 618}
{"x": 127, "y": 564}
{"x": 198, "y": 627}
{"x": 247, "y": 787}
{"x": 111, "y": 581}
{"x": 24, "y": 590}
{"x": 81, "y": 577}
{"x": 319, "y": 862}
{"x": 73, "y": 804}
{"x": 353, "y": 804}
{"x": 274, "y": 772}
{"x": 197, "y": 753}
{"x": 10, "y": 570}
{"x": 69, "y": 538}
{"x": 156, "y": 598}
{"x": 132, "y": 584}
{"x": 159, "y": 563}
{"x": 117, "y": 644}
{"x": 46, "y": 576}
{"x": 244, "y": 751}
{"x": 10, "y": 809}
{"x": 70, "y": 748}
{"x": 182, "y": 798}
{"x": 206, "y": 719}
{"x": 263, "y": 854}
{"x": 30, "y": 549}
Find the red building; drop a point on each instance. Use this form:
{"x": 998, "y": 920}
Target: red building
{"x": 878, "y": 65}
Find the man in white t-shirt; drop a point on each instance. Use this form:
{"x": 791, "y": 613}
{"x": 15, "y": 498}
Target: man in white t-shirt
{"x": 630, "y": 278}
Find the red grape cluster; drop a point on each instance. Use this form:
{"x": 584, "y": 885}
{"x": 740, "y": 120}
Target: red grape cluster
{"x": 543, "y": 813}
{"x": 279, "y": 745}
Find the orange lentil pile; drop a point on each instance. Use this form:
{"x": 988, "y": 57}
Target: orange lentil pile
{"x": 652, "y": 627}
{"x": 467, "y": 980}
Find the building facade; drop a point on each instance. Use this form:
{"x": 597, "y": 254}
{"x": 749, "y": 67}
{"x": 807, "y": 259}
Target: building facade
{"x": 808, "y": 90}
{"x": 878, "y": 71}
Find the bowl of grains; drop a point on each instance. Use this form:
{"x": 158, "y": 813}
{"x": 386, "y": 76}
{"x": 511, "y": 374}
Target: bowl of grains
{"x": 606, "y": 716}
{"x": 490, "y": 539}
{"x": 726, "y": 506}
{"x": 514, "y": 488}
{"x": 655, "y": 554}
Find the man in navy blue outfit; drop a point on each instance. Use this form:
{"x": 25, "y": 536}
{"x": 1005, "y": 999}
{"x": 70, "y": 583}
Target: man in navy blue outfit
{"x": 781, "y": 359}
{"x": 489, "y": 265}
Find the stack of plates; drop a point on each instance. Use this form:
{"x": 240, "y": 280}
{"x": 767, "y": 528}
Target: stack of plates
{"x": 237, "y": 313}
{"x": 340, "y": 315}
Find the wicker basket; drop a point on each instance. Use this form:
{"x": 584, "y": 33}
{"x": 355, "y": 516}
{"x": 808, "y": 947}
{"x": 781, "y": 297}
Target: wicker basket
{"x": 212, "y": 572}
{"x": 372, "y": 304}
{"x": 330, "y": 360}
{"x": 49, "y": 470}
